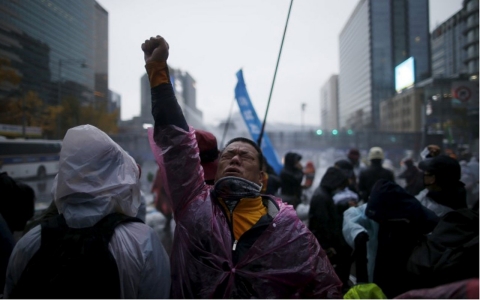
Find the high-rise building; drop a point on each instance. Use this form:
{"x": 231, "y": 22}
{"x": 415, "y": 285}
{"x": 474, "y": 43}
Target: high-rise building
{"x": 471, "y": 33}
{"x": 448, "y": 51}
{"x": 50, "y": 45}
{"x": 101, "y": 53}
{"x": 185, "y": 86}
{"x": 55, "y": 50}
{"x": 378, "y": 36}
{"x": 145, "y": 100}
{"x": 329, "y": 104}
{"x": 114, "y": 103}
{"x": 185, "y": 92}
{"x": 455, "y": 44}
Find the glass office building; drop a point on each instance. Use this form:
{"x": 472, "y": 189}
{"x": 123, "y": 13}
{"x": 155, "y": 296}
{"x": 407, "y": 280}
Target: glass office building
{"x": 50, "y": 45}
{"x": 471, "y": 34}
{"x": 448, "y": 54}
{"x": 101, "y": 53}
{"x": 379, "y": 35}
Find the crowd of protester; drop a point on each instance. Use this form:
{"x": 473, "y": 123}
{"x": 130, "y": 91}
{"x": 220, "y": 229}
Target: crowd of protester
{"x": 238, "y": 231}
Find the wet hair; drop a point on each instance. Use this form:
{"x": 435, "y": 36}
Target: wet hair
{"x": 250, "y": 142}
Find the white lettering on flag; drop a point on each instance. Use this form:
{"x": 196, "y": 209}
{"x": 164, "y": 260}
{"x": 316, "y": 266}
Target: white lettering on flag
{"x": 254, "y": 128}
{"x": 248, "y": 115}
{"x": 242, "y": 101}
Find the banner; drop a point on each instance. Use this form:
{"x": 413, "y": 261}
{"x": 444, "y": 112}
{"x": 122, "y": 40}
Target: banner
{"x": 253, "y": 123}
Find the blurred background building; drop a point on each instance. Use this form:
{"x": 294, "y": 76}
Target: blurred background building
{"x": 396, "y": 82}
{"x": 378, "y": 36}
{"x": 54, "y": 66}
{"x": 396, "y": 78}
{"x": 329, "y": 104}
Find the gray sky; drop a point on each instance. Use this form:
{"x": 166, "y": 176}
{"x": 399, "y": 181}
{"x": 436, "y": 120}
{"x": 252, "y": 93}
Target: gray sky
{"x": 213, "y": 39}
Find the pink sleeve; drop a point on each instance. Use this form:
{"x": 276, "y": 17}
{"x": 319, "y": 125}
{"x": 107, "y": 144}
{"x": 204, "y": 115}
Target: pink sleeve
{"x": 177, "y": 155}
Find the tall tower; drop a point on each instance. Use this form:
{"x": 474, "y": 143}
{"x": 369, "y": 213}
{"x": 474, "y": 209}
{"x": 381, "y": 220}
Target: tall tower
{"x": 378, "y": 36}
{"x": 329, "y": 104}
{"x": 471, "y": 34}
{"x": 101, "y": 53}
{"x": 145, "y": 99}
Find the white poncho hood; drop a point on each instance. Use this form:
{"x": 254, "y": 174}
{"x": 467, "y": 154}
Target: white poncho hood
{"x": 96, "y": 177}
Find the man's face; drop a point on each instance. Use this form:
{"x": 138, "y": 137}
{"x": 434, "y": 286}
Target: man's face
{"x": 241, "y": 160}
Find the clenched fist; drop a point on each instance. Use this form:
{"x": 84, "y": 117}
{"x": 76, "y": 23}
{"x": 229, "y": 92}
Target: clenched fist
{"x": 155, "y": 49}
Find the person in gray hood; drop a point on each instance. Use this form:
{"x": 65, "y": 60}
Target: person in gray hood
{"x": 96, "y": 179}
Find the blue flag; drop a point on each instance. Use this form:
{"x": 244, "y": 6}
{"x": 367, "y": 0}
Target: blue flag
{"x": 253, "y": 123}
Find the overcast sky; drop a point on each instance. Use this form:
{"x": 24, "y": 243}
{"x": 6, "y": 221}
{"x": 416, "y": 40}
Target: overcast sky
{"x": 213, "y": 39}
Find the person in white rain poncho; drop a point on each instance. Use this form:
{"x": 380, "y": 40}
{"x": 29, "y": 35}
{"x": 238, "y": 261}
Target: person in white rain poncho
{"x": 97, "y": 178}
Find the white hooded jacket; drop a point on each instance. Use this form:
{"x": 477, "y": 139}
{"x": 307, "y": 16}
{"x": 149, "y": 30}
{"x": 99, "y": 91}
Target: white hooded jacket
{"x": 92, "y": 163}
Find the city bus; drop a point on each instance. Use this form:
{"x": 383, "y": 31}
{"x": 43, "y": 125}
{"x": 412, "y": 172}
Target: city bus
{"x": 27, "y": 158}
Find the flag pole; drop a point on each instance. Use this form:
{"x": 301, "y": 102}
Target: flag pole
{"x": 259, "y": 141}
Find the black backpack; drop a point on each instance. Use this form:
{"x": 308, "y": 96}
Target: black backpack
{"x": 73, "y": 262}
{"x": 449, "y": 253}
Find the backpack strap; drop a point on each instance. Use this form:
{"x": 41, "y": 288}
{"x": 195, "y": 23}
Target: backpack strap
{"x": 108, "y": 224}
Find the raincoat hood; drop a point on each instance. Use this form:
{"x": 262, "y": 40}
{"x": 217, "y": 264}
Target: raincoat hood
{"x": 388, "y": 201}
{"x": 96, "y": 177}
{"x": 291, "y": 158}
{"x": 333, "y": 179}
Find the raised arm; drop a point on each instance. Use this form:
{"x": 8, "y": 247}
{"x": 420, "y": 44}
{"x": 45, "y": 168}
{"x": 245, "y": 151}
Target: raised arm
{"x": 173, "y": 143}
{"x": 165, "y": 108}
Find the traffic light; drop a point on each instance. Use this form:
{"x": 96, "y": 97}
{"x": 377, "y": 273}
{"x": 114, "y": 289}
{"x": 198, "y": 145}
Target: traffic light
{"x": 319, "y": 132}
{"x": 350, "y": 132}
{"x": 334, "y": 132}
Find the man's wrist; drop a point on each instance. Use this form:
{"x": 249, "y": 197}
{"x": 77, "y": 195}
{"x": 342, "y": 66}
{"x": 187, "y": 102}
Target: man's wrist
{"x": 157, "y": 73}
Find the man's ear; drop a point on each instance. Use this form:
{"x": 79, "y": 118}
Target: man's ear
{"x": 260, "y": 177}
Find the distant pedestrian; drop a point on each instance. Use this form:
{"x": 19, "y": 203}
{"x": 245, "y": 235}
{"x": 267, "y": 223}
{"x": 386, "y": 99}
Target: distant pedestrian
{"x": 348, "y": 169}
{"x": 353, "y": 157}
{"x": 326, "y": 218}
{"x": 441, "y": 177}
{"x": 373, "y": 173}
{"x": 291, "y": 178}
{"x": 271, "y": 180}
{"x": 413, "y": 177}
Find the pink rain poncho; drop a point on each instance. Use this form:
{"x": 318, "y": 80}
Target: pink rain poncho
{"x": 286, "y": 261}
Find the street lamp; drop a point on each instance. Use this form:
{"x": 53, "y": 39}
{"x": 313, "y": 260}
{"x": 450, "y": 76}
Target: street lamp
{"x": 302, "y": 116}
{"x": 61, "y": 62}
